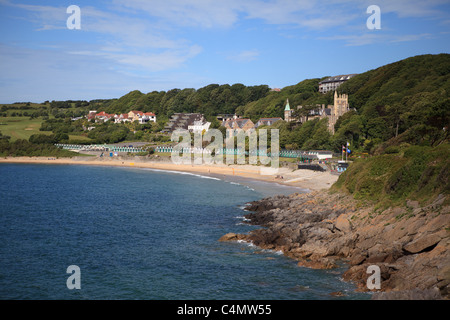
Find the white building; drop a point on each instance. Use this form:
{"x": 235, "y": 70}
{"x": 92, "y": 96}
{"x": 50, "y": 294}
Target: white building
{"x": 332, "y": 83}
{"x": 321, "y": 154}
{"x": 146, "y": 117}
{"x": 199, "y": 126}
{"x": 122, "y": 118}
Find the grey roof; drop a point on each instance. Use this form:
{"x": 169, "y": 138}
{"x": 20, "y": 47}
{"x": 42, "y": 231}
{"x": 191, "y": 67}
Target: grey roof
{"x": 240, "y": 122}
{"x": 267, "y": 121}
{"x": 270, "y": 119}
{"x": 182, "y": 121}
{"x": 339, "y": 78}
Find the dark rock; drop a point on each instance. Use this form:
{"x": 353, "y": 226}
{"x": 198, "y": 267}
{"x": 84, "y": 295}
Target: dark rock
{"x": 319, "y": 227}
{"x": 358, "y": 259}
{"x": 338, "y": 294}
{"x": 422, "y": 243}
{"x": 323, "y": 263}
{"x": 231, "y": 237}
{"x": 414, "y": 294}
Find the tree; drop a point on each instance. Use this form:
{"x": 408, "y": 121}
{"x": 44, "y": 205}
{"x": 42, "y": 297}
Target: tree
{"x": 377, "y": 129}
{"x": 304, "y": 111}
{"x": 350, "y": 129}
{"x": 42, "y": 139}
{"x": 319, "y": 138}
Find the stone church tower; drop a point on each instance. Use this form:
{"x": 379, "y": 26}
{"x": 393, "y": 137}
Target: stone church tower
{"x": 338, "y": 109}
{"x": 331, "y": 112}
{"x": 287, "y": 112}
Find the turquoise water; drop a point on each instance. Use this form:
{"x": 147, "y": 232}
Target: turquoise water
{"x": 140, "y": 234}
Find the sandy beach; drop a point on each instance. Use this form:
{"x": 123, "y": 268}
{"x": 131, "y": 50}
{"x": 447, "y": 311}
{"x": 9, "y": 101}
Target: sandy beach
{"x": 306, "y": 179}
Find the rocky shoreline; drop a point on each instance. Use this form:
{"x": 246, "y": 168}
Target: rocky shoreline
{"x": 410, "y": 244}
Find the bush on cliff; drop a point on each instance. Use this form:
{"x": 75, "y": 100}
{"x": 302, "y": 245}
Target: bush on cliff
{"x": 25, "y": 148}
{"x": 414, "y": 172}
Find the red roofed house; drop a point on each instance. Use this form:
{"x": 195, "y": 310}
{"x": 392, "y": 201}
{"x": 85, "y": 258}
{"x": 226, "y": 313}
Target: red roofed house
{"x": 122, "y": 118}
{"x": 91, "y": 114}
{"x": 141, "y": 116}
{"x": 135, "y": 115}
{"x": 148, "y": 116}
{"x": 103, "y": 116}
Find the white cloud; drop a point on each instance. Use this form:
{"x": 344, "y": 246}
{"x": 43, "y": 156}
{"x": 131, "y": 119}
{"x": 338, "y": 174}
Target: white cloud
{"x": 245, "y": 56}
{"x": 48, "y": 17}
{"x": 128, "y": 40}
{"x": 314, "y": 14}
{"x": 128, "y": 31}
{"x": 411, "y": 37}
{"x": 357, "y": 40}
{"x": 143, "y": 38}
{"x": 150, "y": 24}
{"x": 374, "y": 38}
{"x": 225, "y": 14}
{"x": 53, "y": 75}
{"x": 192, "y": 13}
{"x": 149, "y": 61}
{"x": 411, "y": 8}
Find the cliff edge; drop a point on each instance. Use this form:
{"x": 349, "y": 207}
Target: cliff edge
{"x": 409, "y": 244}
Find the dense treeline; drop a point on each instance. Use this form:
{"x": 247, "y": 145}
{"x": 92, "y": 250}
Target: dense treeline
{"x": 98, "y": 133}
{"x": 407, "y": 101}
{"x": 111, "y": 133}
{"x": 251, "y": 102}
{"x": 402, "y": 116}
{"x": 305, "y": 93}
{"x": 403, "y": 102}
{"x": 210, "y": 100}
{"x": 62, "y": 126}
{"x": 36, "y": 146}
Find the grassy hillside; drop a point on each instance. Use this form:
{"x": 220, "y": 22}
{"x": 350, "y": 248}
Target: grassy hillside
{"x": 402, "y": 116}
{"x": 406, "y": 172}
{"x": 305, "y": 92}
{"x": 210, "y": 100}
{"x": 19, "y": 127}
{"x": 403, "y": 102}
{"x": 389, "y": 84}
{"x": 408, "y": 98}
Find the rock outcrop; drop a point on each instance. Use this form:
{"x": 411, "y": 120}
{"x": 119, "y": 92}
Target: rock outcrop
{"x": 409, "y": 244}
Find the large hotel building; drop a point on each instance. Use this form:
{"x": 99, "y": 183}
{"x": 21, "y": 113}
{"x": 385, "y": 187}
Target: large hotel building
{"x": 331, "y": 83}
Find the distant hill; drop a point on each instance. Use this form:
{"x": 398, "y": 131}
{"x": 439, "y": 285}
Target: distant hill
{"x": 210, "y": 100}
{"x": 403, "y": 102}
{"x": 407, "y": 99}
{"x": 305, "y": 92}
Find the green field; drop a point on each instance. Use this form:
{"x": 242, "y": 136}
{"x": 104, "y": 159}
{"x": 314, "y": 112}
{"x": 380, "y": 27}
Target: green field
{"x": 20, "y": 127}
{"x": 24, "y": 128}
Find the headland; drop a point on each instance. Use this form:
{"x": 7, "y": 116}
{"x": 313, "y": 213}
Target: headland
{"x": 408, "y": 245}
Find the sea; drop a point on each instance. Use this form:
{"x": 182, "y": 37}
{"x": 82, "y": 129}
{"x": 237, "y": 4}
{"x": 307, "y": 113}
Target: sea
{"x": 75, "y": 232}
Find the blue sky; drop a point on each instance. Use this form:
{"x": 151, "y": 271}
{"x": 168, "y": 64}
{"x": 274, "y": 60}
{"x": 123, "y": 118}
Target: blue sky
{"x": 148, "y": 45}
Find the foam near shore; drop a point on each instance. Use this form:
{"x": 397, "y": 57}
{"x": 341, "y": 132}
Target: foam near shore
{"x": 305, "y": 179}
{"x": 408, "y": 244}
